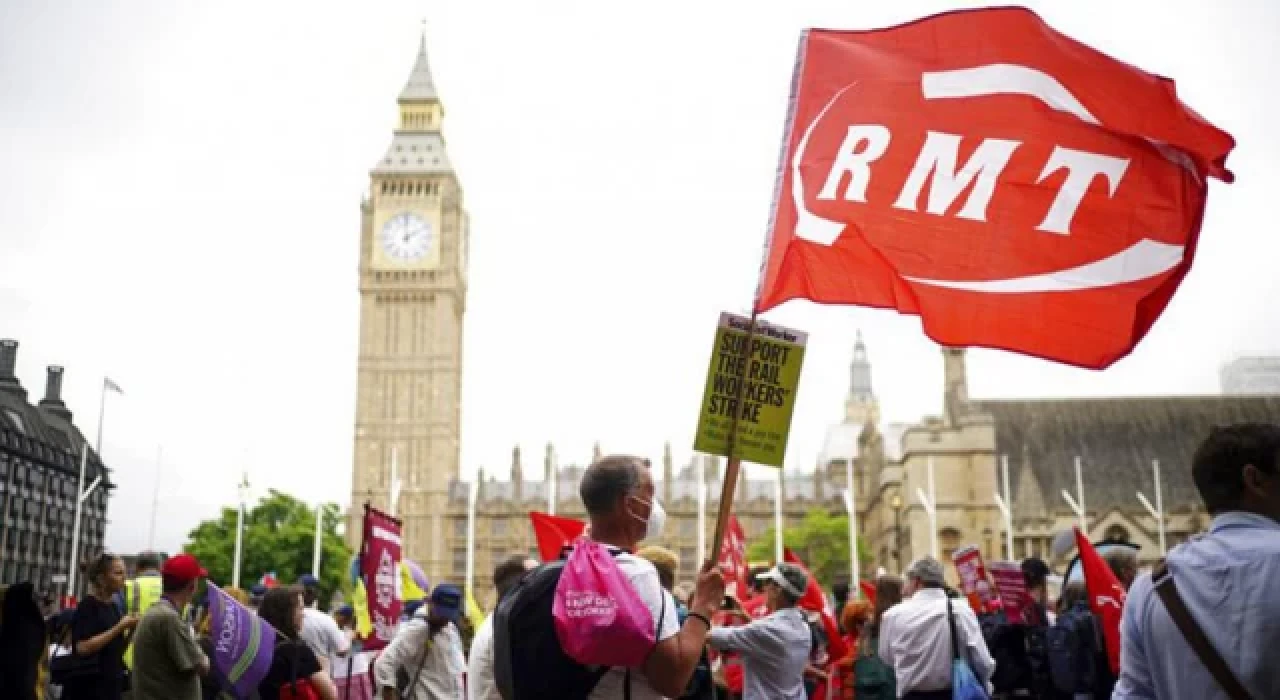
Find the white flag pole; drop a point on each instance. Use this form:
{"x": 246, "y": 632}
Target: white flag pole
{"x": 1084, "y": 513}
{"x": 1155, "y": 467}
{"x": 933, "y": 513}
{"x": 701, "y": 470}
{"x": 930, "y": 505}
{"x": 553, "y": 483}
{"x": 75, "y": 528}
{"x": 1003, "y": 502}
{"x": 395, "y": 485}
{"x": 1156, "y": 511}
{"x": 242, "y": 492}
{"x": 851, "y": 505}
{"x": 102, "y": 411}
{"x": 471, "y": 534}
{"x": 315, "y": 555}
{"x": 777, "y": 515}
{"x": 155, "y": 501}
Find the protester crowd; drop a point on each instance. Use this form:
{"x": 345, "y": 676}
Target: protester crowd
{"x": 911, "y": 637}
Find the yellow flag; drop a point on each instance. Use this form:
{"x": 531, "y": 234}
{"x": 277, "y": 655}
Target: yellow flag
{"x": 360, "y": 606}
{"x": 474, "y": 613}
{"x": 409, "y": 589}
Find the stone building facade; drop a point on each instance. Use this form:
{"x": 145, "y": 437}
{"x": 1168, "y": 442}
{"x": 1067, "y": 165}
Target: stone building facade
{"x": 40, "y": 451}
{"x": 413, "y": 292}
{"x": 1115, "y": 438}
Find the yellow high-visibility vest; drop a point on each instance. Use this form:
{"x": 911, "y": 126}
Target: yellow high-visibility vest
{"x": 139, "y": 595}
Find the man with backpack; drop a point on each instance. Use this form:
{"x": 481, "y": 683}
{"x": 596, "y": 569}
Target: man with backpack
{"x": 530, "y": 663}
{"x": 1077, "y": 658}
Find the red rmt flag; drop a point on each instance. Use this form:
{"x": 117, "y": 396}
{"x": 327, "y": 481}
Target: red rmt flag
{"x": 1014, "y": 188}
{"x": 554, "y": 533}
{"x": 1106, "y": 596}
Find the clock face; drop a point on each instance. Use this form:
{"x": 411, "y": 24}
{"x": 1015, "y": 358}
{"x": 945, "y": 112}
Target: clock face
{"x": 406, "y": 237}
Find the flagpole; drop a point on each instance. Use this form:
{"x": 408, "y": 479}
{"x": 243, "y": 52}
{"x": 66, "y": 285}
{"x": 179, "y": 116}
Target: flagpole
{"x": 155, "y": 500}
{"x": 315, "y": 554}
{"x": 1005, "y": 508}
{"x": 394, "y": 496}
{"x": 1084, "y": 511}
{"x": 851, "y": 504}
{"x": 1156, "y": 511}
{"x": 471, "y": 535}
{"x": 1155, "y": 466}
{"x": 553, "y": 482}
{"x": 777, "y": 515}
{"x": 930, "y": 504}
{"x": 242, "y": 490}
{"x": 102, "y": 410}
{"x": 933, "y": 512}
{"x": 75, "y": 529}
{"x": 701, "y": 470}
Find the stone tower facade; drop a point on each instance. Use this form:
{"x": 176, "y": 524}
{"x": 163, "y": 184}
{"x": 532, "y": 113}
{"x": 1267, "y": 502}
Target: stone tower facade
{"x": 413, "y": 290}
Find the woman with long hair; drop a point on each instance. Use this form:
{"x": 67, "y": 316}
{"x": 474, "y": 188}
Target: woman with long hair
{"x": 871, "y": 677}
{"x": 99, "y": 634}
{"x": 22, "y": 643}
{"x": 855, "y": 616}
{"x": 294, "y": 662}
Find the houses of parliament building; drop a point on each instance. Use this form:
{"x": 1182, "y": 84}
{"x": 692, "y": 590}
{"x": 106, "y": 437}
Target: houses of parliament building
{"x": 413, "y": 288}
{"x": 1116, "y": 440}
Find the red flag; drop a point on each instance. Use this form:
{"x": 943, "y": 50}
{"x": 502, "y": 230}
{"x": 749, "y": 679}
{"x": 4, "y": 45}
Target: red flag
{"x": 554, "y": 533}
{"x": 1014, "y": 188}
{"x": 868, "y": 591}
{"x": 733, "y": 560}
{"x": 380, "y": 568}
{"x": 1106, "y": 596}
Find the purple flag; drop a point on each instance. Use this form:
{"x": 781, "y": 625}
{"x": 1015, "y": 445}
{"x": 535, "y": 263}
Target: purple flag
{"x": 243, "y": 643}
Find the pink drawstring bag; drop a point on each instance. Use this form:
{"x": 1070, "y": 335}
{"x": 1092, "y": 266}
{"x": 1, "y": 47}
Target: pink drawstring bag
{"x": 600, "y": 619}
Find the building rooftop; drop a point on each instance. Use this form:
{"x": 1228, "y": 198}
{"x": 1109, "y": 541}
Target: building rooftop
{"x": 1116, "y": 439}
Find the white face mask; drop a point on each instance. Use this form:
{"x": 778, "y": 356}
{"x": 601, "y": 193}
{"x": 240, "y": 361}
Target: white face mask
{"x": 657, "y": 519}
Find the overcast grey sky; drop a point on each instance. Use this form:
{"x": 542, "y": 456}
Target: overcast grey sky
{"x": 179, "y": 196}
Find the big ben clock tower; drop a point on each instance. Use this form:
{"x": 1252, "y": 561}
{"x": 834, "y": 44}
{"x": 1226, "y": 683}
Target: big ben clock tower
{"x": 413, "y": 290}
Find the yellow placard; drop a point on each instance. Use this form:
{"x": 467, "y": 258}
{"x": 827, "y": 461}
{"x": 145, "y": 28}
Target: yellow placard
{"x": 759, "y": 386}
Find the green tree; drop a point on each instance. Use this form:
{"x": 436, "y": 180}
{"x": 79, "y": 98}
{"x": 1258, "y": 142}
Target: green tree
{"x": 279, "y": 536}
{"x": 822, "y": 541}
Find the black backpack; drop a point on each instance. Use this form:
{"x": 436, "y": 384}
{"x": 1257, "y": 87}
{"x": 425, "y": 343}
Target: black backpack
{"x": 1008, "y": 648}
{"x": 528, "y": 661}
{"x": 1074, "y": 644}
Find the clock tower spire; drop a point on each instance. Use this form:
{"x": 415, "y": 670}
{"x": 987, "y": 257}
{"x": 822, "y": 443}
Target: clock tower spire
{"x": 413, "y": 243}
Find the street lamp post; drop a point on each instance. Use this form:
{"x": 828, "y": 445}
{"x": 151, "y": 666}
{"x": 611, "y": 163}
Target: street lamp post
{"x": 896, "y": 503}
{"x": 242, "y": 494}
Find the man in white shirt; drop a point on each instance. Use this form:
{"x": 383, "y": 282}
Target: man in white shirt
{"x": 426, "y": 652}
{"x": 915, "y": 636}
{"x": 319, "y": 630}
{"x": 617, "y": 492}
{"x": 480, "y": 679}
